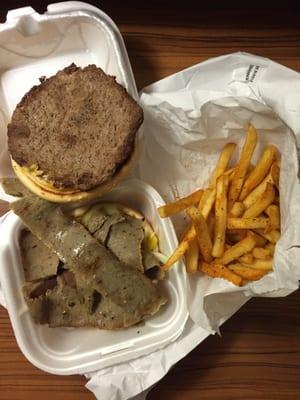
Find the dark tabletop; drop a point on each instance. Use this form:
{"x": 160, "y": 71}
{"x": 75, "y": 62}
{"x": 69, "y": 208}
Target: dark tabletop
{"x": 258, "y": 354}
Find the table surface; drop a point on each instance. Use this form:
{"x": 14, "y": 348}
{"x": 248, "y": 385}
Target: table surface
{"x": 258, "y": 354}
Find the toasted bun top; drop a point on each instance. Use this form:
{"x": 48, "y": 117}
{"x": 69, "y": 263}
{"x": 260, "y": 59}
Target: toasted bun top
{"x": 77, "y": 127}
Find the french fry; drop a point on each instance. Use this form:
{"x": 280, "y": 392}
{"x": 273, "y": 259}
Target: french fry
{"x": 273, "y": 213}
{"x": 250, "y": 274}
{"x": 272, "y": 236}
{"x": 270, "y": 247}
{"x": 242, "y": 167}
{"x": 191, "y": 257}
{"x": 207, "y": 201}
{"x": 180, "y": 250}
{"x": 247, "y": 258}
{"x": 247, "y": 223}
{"x": 202, "y": 232}
{"x": 220, "y": 271}
{"x": 211, "y": 225}
{"x": 236, "y": 241}
{"x": 220, "y": 216}
{"x": 237, "y": 209}
{"x": 260, "y": 171}
{"x": 272, "y": 177}
{"x": 261, "y": 264}
{"x": 222, "y": 163}
{"x": 237, "y": 250}
{"x": 262, "y": 202}
{"x": 261, "y": 253}
{"x": 235, "y": 235}
{"x": 180, "y": 204}
{"x": 260, "y": 241}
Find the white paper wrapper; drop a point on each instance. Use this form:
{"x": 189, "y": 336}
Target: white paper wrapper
{"x": 178, "y": 156}
{"x": 189, "y": 118}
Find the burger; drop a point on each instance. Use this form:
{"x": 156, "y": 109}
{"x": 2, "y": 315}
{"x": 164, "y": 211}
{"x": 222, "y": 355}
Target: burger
{"x": 73, "y": 137}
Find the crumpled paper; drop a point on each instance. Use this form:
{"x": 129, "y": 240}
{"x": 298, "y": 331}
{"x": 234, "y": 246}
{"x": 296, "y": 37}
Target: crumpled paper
{"x": 189, "y": 138}
{"x": 217, "y": 97}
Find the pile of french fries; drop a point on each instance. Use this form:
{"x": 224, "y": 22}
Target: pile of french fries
{"x": 235, "y": 222}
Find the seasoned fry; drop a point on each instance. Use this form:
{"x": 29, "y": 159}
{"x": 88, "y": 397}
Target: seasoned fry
{"x": 220, "y": 216}
{"x": 272, "y": 177}
{"x": 247, "y": 223}
{"x": 237, "y": 209}
{"x": 247, "y": 258}
{"x": 272, "y": 236}
{"x": 180, "y": 250}
{"x": 180, "y": 204}
{"x": 261, "y": 264}
{"x": 235, "y": 222}
{"x": 260, "y": 171}
{"x": 242, "y": 167}
{"x": 250, "y": 274}
{"x": 207, "y": 201}
{"x": 220, "y": 271}
{"x": 202, "y": 233}
{"x": 274, "y": 214}
{"x": 211, "y": 225}
{"x": 260, "y": 241}
{"x": 223, "y": 162}
{"x": 191, "y": 257}
{"x": 261, "y": 252}
{"x": 262, "y": 202}
{"x": 270, "y": 247}
{"x": 242, "y": 247}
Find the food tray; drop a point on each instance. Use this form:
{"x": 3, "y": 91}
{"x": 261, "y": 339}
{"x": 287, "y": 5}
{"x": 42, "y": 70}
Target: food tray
{"x": 71, "y": 350}
{"x": 31, "y": 46}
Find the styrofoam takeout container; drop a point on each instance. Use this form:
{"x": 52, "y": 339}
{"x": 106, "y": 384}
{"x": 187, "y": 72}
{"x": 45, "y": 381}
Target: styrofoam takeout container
{"x": 78, "y": 350}
{"x": 31, "y": 46}
{"x": 34, "y": 45}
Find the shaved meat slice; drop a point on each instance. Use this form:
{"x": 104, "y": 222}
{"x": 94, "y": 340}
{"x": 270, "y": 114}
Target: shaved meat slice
{"x": 124, "y": 286}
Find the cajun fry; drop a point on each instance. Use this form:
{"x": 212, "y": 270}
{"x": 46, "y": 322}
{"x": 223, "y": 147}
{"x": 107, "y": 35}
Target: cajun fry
{"x": 274, "y": 214}
{"x": 234, "y": 222}
{"x": 202, "y": 232}
{"x": 237, "y": 250}
{"x": 180, "y": 250}
{"x": 180, "y": 204}
{"x": 211, "y": 225}
{"x": 220, "y": 216}
{"x": 260, "y": 171}
{"x": 247, "y": 258}
{"x": 261, "y": 253}
{"x": 250, "y": 274}
{"x": 262, "y": 203}
{"x": 261, "y": 264}
{"x": 270, "y": 247}
{"x": 247, "y": 223}
{"x": 220, "y": 271}
{"x": 222, "y": 163}
{"x": 272, "y": 177}
{"x": 207, "y": 201}
{"x": 191, "y": 257}
{"x": 272, "y": 236}
{"x": 260, "y": 241}
{"x": 242, "y": 167}
{"x": 237, "y": 209}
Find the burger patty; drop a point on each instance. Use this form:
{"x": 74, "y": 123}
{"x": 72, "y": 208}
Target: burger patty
{"x": 78, "y": 127}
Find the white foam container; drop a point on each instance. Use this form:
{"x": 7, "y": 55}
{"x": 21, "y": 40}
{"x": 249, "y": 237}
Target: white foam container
{"x": 34, "y": 45}
{"x": 78, "y": 350}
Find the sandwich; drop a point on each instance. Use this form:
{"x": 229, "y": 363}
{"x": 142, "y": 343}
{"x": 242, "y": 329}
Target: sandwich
{"x": 73, "y": 137}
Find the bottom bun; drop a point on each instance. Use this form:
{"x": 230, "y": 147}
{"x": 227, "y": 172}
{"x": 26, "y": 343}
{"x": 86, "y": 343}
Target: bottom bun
{"x": 77, "y": 196}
